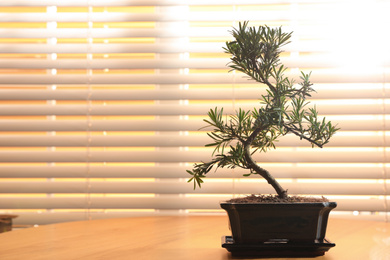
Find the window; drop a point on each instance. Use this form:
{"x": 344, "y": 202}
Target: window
{"x": 101, "y": 103}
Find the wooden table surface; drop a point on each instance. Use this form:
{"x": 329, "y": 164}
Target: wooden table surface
{"x": 176, "y": 237}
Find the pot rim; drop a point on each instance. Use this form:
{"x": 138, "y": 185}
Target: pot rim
{"x": 326, "y": 204}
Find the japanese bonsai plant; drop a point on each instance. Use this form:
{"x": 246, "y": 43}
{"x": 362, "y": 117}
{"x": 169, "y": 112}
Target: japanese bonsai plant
{"x": 283, "y": 109}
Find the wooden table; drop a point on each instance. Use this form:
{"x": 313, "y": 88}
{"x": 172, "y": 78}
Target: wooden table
{"x": 193, "y": 237}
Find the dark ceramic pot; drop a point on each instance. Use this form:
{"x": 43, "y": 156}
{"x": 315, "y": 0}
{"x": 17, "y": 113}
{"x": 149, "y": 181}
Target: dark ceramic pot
{"x": 278, "y": 222}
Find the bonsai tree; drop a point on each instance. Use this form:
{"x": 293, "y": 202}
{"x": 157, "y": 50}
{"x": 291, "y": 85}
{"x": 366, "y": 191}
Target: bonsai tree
{"x": 283, "y": 110}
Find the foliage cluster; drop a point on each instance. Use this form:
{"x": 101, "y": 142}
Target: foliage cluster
{"x": 284, "y": 108}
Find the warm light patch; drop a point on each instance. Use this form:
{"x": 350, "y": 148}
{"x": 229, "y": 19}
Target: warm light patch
{"x": 339, "y": 181}
{"x": 23, "y": 195}
{"x": 260, "y": 180}
{"x": 21, "y": 9}
{"x": 222, "y": 196}
{"x": 129, "y": 210}
{"x": 138, "y": 195}
{"x": 205, "y": 211}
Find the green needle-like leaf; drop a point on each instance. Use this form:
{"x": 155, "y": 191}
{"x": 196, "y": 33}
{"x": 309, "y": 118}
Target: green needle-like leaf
{"x": 283, "y": 109}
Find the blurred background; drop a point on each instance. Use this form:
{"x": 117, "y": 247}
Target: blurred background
{"x": 102, "y": 104}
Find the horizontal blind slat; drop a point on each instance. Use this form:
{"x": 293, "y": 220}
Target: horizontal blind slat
{"x": 176, "y": 110}
{"x": 347, "y": 123}
{"x": 147, "y": 17}
{"x": 210, "y": 47}
{"x": 314, "y": 61}
{"x": 167, "y": 110}
{"x": 214, "y": 32}
{"x": 169, "y": 170}
{"x": 364, "y": 139}
{"x": 181, "y": 187}
{"x": 367, "y": 155}
{"x": 147, "y": 2}
{"x": 163, "y": 202}
{"x": 323, "y": 92}
{"x": 212, "y": 78}
{"x": 111, "y": 33}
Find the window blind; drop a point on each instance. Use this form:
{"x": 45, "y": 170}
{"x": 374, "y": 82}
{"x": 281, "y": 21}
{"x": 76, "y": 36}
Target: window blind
{"x": 101, "y": 103}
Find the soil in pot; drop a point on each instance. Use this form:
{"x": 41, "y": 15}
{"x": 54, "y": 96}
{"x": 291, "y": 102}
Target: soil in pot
{"x": 275, "y": 199}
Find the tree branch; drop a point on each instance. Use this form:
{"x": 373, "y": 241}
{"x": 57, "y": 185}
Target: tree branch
{"x": 302, "y": 136}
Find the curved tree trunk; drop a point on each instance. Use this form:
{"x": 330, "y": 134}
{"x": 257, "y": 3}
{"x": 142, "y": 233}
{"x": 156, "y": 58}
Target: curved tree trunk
{"x": 282, "y": 193}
